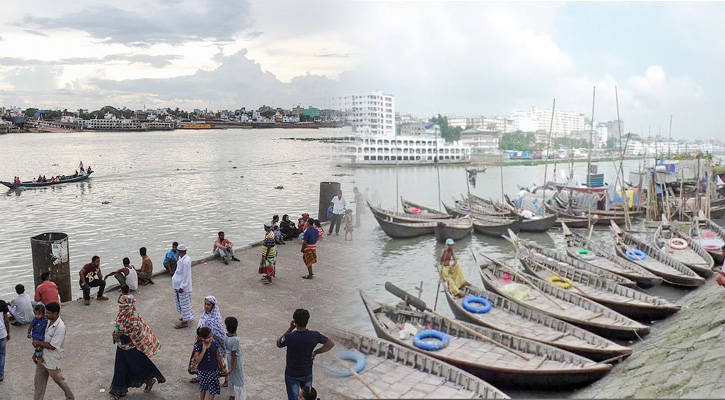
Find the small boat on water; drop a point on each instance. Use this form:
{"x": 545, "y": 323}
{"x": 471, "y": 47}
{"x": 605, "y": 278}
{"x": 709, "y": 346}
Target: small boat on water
{"x": 655, "y": 261}
{"x": 682, "y": 248}
{"x": 403, "y": 217}
{"x": 529, "y": 222}
{"x": 455, "y": 229}
{"x": 495, "y": 227}
{"x": 560, "y": 303}
{"x": 422, "y": 376}
{"x": 565, "y": 261}
{"x": 709, "y": 235}
{"x": 497, "y": 357}
{"x": 624, "y": 300}
{"x": 30, "y": 184}
{"x": 521, "y": 320}
{"x": 579, "y": 247}
{"x": 417, "y": 209}
{"x": 580, "y": 219}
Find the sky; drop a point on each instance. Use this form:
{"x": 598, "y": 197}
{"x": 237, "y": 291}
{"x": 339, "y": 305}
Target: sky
{"x": 462, "y": 58}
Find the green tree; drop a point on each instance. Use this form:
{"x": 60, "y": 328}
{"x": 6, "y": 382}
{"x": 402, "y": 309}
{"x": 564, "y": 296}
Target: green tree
{"x": 519, "y": 141}
{"x": 447, "y": 133}
{"x": 612, "y": 143}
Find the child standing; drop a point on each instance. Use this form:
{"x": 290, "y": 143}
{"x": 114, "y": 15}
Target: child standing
{"x": 278, "y": 238}
{"x": 208, "y": 360}
{"x": 36, "y": 331}
{"x": 317, "y": 225}
{"x": 348, "y": 223}
{"x": 234, "y": 361}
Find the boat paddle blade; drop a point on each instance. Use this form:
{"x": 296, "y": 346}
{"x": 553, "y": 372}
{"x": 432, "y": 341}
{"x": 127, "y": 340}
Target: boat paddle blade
{"x": 566, "y": 230}
{"x": 407, "y": 297}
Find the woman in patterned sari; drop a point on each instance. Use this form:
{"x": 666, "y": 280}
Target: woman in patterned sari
{"x": 135, "y": 344}
{"x": 269, "y": 255}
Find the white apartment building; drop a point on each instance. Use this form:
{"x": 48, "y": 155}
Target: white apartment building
{"x": 495, "y": 124}
{"x": 369, "y": 112}
{"x": 534, "y": 119}
{"x": 480, "y": 141}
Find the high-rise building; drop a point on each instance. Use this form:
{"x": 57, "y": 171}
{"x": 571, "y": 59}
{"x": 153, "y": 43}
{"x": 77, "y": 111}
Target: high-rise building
{"x": 370, "y": 113}
{"x": 535, "y": 119}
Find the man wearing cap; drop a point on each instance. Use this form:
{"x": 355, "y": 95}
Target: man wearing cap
{"x": 450, "y": 271}
{"x": 181, "y": 281}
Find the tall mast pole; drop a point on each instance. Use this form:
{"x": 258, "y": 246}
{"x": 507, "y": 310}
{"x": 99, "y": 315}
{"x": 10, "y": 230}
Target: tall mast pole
{"x": 627, "y": 222}
{"x": 503, "y": 201}
{"x": 591, "y": 133}
{"x": 548, "y": 149}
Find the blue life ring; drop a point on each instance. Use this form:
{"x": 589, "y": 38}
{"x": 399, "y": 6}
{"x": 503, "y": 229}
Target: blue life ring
{"x": 443, "y": 340}
{"x": 349, "y": 355}
{"x": 481, "y": 305}
{"x": 635, "y": 254}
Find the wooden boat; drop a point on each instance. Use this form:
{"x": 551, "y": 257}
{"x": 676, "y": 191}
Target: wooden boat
{"x": 624, "y": 300}
{"x": 601, "y": 219}
{"x": 565, "y": 261}
{"x": 521, "y": 320}
{"x": 497, "y": 357}
{"x": 575, "y": 222}
{"x": 423, "y": 377}
{"x": 495, "y": 227}
{"x": 534, "y": 224}
{"x": 710, "y": 236}
{"x": 401, "y": 230}
{"x": 563, "y": 304}
{"x": 455, "y": 229}
{"x": 408, "y": 207}
{"x": 606, "y": 260}
{"x": 403, "y": 217}
{"x": 656, "y": 262}
{"x": 693, "y": 256}
{"x": 29, "y": 184}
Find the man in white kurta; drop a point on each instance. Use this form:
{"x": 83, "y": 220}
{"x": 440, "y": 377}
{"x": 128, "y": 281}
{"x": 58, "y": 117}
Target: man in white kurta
{"x": 181, "y": 281}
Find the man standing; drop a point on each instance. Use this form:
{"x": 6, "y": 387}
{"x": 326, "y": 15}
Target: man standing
{"x": 147, "y": 268}
{"x": 21, "y": 307}
{"x": 301, "y": 352}
{"x": 91, "y": 276}
{"x": 181, "y": 281}
{"x": 47, "y": 291}
{"x": 52, "y": 354}
{"x": 224, "y": 248}
{"x": 309, "y": 249}
{"x": 126, "y": 275}
{"x": 4, "y": 336}
{"x": 359, "y": 205}
{"x": 338, "y": 210}
{"x": 172, "y": 256}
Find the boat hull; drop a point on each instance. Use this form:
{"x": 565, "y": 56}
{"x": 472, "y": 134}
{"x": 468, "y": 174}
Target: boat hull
{"x": 43, "y": 184}
{"x": 402, "y": 231}
{"x": 496, "y": 230}
{"x": 445, "y": 231}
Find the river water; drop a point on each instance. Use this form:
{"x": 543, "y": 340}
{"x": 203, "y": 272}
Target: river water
{"x": 153, "y": 188}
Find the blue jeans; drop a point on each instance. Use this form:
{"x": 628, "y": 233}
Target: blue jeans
{"x": 293, "y": 385}
{"x": 3, "y": 344}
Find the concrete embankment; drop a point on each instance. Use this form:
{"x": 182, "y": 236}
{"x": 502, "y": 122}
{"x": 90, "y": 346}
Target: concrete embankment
{"x": 263, "y": 312}
{"x": 681, "y": 358}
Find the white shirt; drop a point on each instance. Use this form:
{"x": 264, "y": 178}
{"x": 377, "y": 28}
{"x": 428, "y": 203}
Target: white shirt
{"x": 132, "y": 278}
{"x": 182, "y": 276}
{"x": 338, "y": 205}
{"x": 55, "y": 335}
{"x": 3, "y": 329}
{"x": 23, "y": 308}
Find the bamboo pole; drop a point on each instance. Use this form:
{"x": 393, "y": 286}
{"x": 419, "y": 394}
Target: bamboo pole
{"x": 548, "y": 151}
{"x": 370, "y": 387}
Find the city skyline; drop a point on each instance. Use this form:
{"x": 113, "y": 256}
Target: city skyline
{"x": 467, "y": 58}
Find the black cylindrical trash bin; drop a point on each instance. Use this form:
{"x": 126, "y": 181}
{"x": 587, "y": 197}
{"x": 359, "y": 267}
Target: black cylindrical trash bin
{"x": 50, "y": 254}
{"x": 328, "y": 190}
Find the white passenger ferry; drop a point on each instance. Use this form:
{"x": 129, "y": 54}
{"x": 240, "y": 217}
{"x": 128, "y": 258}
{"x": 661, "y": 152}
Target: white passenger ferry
{"x": 366, "y": 150}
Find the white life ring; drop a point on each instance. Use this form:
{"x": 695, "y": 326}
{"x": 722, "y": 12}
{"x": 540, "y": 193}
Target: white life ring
{"x": 678, "y": 244}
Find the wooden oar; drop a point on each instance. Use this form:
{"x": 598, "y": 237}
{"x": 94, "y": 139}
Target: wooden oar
{"x": 420, "y": 304}
{"x": 370, "y": 387}
{"x": 533, "y": 285}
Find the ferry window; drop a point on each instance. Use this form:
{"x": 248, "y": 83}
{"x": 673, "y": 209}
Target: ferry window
{"x": 417, "y": 158}
{"x": 405, "y": 158}
{"x": 387, "y": 158}
{"x": 366, "y": 158}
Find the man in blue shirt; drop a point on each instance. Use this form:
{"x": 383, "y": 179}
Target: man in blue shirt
{"x": 170, "y": 259}
{"x": 309, "y": 247}
{"x": 300, "y": 344}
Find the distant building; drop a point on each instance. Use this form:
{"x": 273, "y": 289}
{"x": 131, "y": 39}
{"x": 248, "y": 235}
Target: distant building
{"x": 369, "y": 112}
{"x": 495, "y": 124}
{"x": 481, "y": 141}
{"x": 535, "y": 119}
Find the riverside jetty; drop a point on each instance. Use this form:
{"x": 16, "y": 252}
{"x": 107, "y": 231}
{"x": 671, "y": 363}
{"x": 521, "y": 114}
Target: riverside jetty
{"x": 264, "y": 313}
{"x": 681, "y": 358}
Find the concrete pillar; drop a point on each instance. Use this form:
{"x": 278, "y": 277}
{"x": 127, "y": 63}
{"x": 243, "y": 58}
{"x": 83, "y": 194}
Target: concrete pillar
{"x": 328, "y": 190}
{"x": 50, "y": 254}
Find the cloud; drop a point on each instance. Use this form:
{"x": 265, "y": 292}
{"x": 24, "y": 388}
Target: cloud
{"x": 158, "y": 61}
{"x": 153, "y": 23}
{"x": 332, "y": 55}
{"x": 36, "y": 33}
{"x": 253, "y": 35}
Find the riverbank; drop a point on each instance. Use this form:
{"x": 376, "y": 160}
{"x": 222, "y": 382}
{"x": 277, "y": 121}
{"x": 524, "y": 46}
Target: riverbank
{"x": 681, "y": 358}
{"x": 263, "y": 312}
